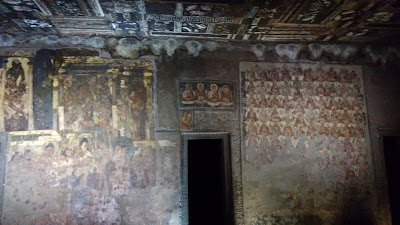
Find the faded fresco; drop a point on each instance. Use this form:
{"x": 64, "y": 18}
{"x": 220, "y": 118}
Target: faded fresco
{"x": 79, "y": 179}
{"x": 87, "y": 102}
{"x": 309, "y": 120}
{"x": 186, "y": 120}
{"x": 99, "y": 94}
{"x": 206, "y": 94}
{"x": 101, "y": 165}
{"x": 134, "y": 104}
{"x": 16, "y": 88}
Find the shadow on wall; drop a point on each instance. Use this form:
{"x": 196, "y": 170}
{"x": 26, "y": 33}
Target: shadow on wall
{"x": 355, "y": 211}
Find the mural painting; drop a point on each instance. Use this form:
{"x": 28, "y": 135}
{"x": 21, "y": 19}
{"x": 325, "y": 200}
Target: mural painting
{"x": 101, "y": 168}
{"x": 17, "y": 86}
{"x": 132, "y": 93}
{"x": 312, "y": 118}
{"x": 75, "y": 180}
{"x": 186, "y": 120}
{"x": 206, "y": 94}
{"x": 86, "y": 102}
{"x": 98, "y": 94}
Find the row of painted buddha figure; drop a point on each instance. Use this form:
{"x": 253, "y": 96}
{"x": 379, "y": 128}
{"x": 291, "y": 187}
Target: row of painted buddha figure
{"x": 214, "y": 97}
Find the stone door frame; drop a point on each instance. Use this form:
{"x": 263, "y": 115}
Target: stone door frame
{"x": 184, "y": 200}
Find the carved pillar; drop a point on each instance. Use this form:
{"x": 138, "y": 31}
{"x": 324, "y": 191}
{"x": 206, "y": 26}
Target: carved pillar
{"x": 112, "y": 74}
{"x": 58, "y": 99}
{"x": 28, "y": 74}
{"x": 56, "y": 110}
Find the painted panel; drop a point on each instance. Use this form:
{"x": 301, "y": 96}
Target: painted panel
{"x": 90, "y": 178}
{"x": 308, "y": 122}
{"x": 106, "y": 94}
{"x": 133, "y": 101}
{"x": 186, "y": 119}
{"x": 87, "y": 103}
{"x": 206, "y": 94}
{"x": 102, "y": 165}
{"x": 17, "y": 94}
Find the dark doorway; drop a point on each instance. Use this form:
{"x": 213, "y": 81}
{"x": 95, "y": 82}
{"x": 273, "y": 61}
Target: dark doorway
{"x": 207, "y": 179}
{"x": 391, "y": 147}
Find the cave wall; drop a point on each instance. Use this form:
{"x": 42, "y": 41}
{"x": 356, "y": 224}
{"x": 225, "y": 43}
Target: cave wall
{"x": 126, "y": 144}
{"x": 305, "y": 152}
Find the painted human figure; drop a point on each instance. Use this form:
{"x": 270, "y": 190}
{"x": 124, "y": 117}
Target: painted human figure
{"x": 188, "y": 94}
{"x": 344, "y": 75}
{"x": 322, "y": 75}
{"x": 320, "y": 91}
{"x": 226, "y": 96}
{"x": 200, "y": 94}
{"x": 66, "y": 157}
{"x": 255, "y": 128}
{"x": 251, "y": 115}
{"x": 65, "y": 165}
{"x": 213, "y": 95}
{"x": 274, "y": 74}
{"x": 16, "y": 114}
{"x": 78, "y": 103}
{"x": 308, "y": 76}
{"x": 263, "y": 76}
{"x": 275, "y": 116}
{"x": 332, "y": 75}
{"x": 353, "y": 77}
{"x": 296, "y": 73}
{"x": 288, "y": 130}
{"x": 324, "y": 129}
{"x": 118, "y": 171}
{"x": 275, "y": 90}
{"x": 137, "y": 101}
{"x": 45, "y": 165}
{"x": 85, "y": 155}
{"x": 47, "y": 156}
{"x": 143, "y": 169}
{"x": 285, "y": 73}
{"x": 186, "y": 121}
{"x": 264, "y": 101}
{"x": 277, "y": 129}
{"x": 264, "y": 129}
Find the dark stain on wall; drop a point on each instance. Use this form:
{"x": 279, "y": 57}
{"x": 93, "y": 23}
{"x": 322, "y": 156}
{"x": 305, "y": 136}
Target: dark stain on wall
{"x": 43, "y": 90}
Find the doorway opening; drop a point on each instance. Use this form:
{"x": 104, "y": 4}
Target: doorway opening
{"x": 391, "y": 148}
{"x": 207, "y": 180}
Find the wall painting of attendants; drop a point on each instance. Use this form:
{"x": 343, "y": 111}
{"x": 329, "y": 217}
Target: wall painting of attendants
{"x": 206, "y": 94}
{"x": 17, "y": 87}
{"x": 133, "y": 95}
{"x": 186, "y": 120}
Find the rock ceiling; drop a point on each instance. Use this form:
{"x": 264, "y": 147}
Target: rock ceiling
{"x": 248, "y": 20}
